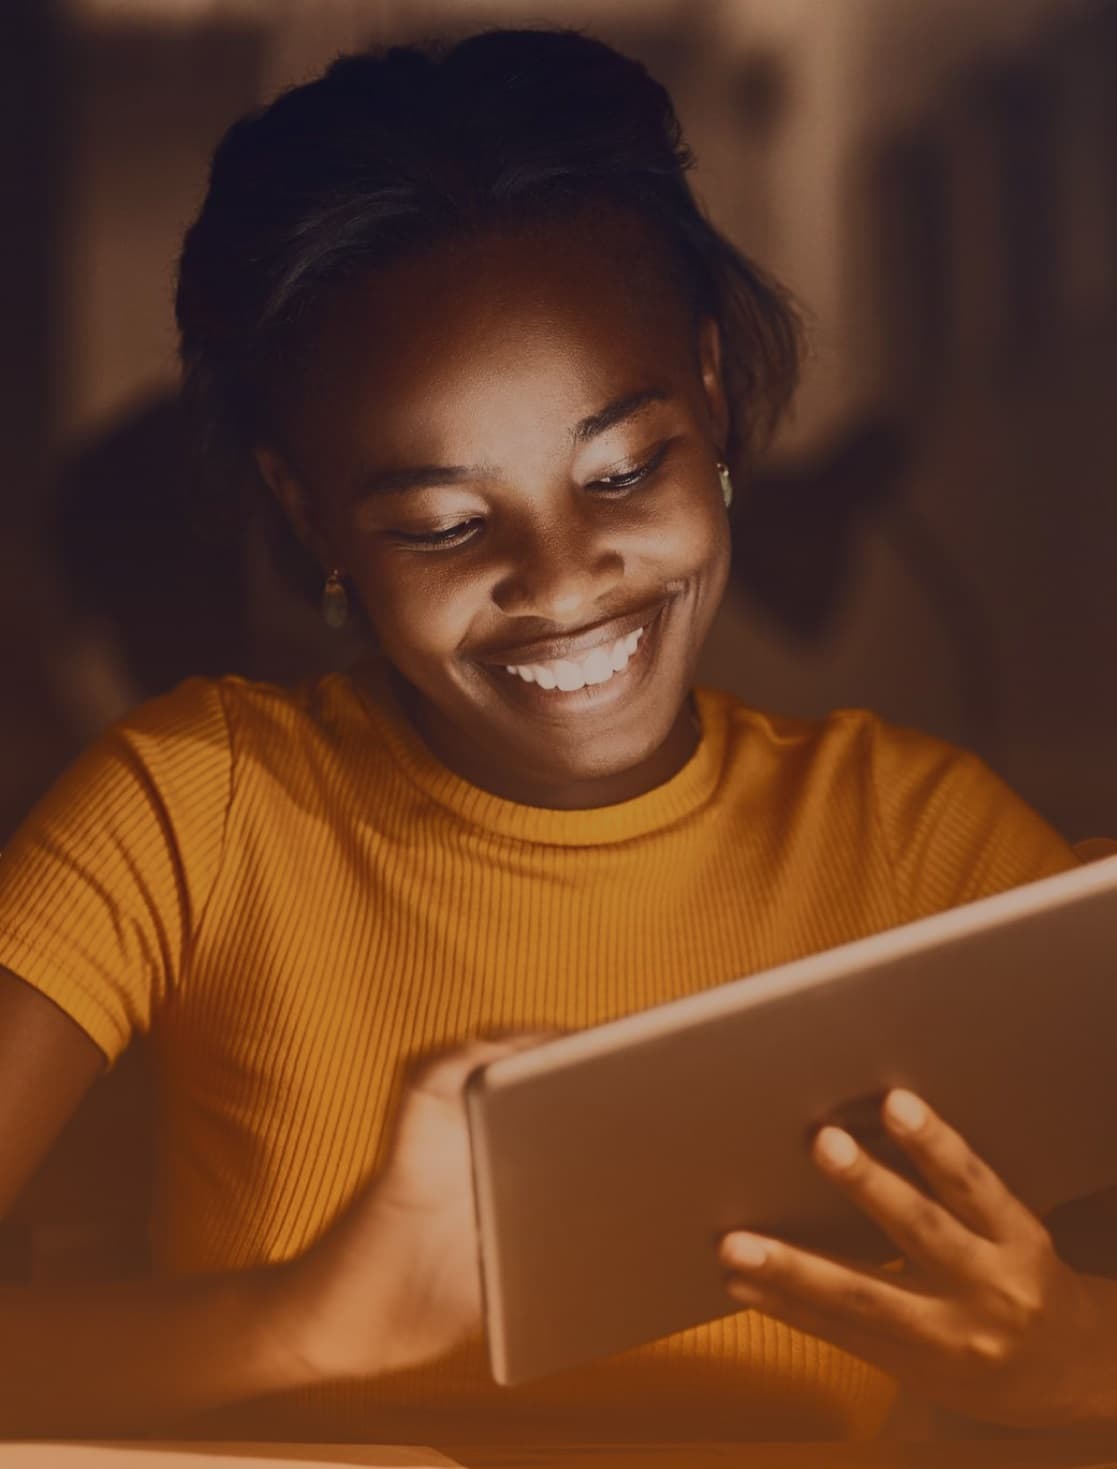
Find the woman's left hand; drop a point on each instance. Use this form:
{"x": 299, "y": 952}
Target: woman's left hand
{"x": 984, "y": 1317}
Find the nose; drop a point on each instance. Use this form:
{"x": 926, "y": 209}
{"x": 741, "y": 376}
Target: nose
{"x": 558, "y": 573}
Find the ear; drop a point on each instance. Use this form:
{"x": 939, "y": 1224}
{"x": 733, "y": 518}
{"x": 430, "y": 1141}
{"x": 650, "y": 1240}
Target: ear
{"x": 294, "y": 501}
{"x": 713, "y": 384}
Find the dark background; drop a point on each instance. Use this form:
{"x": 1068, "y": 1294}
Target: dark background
{"x": 933, "y": 536}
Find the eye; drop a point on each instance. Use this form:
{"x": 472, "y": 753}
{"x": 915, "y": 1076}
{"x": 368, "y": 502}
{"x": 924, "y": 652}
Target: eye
{"x": 436, "y": 540}
{"x": 617, "y": 484}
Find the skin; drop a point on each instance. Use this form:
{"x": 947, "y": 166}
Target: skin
{"x": 983, "y": 1318}
{"x": 500, "y": 369}
{"x": 489, "y": 354}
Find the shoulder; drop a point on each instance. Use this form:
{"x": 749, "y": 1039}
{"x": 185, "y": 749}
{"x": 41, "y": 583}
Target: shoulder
{"x": 172, "y": 762}
{"x": 190, "y": 718}
{"x": 160, "y": 773}
{"x": 268, "y": 751}
{"x": 209, "y": 708}
{"x": 849, "y": 745}
{"x": 848, "y": 738}
{"x": 952, "y": 830}
{"x": 215, "y": 720}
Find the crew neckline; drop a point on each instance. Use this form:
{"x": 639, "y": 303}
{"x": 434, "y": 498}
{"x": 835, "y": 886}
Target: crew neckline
{"x": 685, "y": 793}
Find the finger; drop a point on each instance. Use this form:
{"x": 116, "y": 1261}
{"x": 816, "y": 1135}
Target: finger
{"x": 922, "y": 1229}
{"x": 523, "y": 1040}
{"x": 851, "y": 1299}
{"x": 965, "y": 1183}
{"x": 890, "y": 1354}
{"x": 445, "y": 1075}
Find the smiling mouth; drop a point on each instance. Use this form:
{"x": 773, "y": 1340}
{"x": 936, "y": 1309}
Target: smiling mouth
{"x": 600, "y": 666}
{"x": 597, "y": 679}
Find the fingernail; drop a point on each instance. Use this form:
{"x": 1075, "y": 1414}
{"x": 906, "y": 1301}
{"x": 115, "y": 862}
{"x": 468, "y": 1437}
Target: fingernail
{"x": 835, "y": 1147}
{"x": 905, "y": 1110}
{"x": 746, "y": 1251}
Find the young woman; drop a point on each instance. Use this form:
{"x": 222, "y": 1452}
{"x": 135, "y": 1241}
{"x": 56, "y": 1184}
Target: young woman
{"x": 462, "y": 317}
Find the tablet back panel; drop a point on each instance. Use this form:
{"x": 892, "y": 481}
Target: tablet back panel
{"x": 607, "y": 1163}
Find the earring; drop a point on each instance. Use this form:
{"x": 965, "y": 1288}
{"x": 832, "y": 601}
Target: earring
{"x": 726, "y": 484}
{"x": 335, "y": 602}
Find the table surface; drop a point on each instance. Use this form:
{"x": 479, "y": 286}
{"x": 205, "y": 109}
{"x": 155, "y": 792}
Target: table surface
{"x": 999, "y": 1453}
{"x": 954, "y": 1454}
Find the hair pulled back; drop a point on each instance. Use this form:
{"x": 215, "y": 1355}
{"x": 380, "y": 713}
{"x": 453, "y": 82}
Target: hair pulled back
{"x": 391, "y": 151}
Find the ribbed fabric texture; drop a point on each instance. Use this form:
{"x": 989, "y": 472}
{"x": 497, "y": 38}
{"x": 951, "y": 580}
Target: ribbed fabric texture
{"x": 291, "y": 898}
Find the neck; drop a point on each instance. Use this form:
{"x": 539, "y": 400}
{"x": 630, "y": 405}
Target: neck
{"x": 476, "y": 766}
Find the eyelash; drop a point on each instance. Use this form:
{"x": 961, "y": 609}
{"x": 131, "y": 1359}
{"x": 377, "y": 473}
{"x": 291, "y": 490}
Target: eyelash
{"x": 618, "y": 483}
{"x": 612, "y": 487}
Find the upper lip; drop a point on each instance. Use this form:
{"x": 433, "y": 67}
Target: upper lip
{"x": 574, "y": 645}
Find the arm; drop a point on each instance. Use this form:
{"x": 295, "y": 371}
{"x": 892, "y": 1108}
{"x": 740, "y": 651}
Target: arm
{"x": 113, "y": 1358}
{"x": 392, "y": 1284}
{"x": 98, "y": 892}
{"x": 100, "y": 896}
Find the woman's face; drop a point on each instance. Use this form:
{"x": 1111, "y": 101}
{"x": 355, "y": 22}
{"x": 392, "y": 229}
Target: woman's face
{"x": 508, "y": 445}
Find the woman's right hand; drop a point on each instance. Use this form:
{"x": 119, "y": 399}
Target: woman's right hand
{"x": 395, "y": 1281}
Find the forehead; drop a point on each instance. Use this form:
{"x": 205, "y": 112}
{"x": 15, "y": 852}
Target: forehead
{"x": 547, "y": 321}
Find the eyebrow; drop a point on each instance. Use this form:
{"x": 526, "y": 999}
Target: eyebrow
{"x": 399, "y": 481}
{"x": 617, "y": 411}
{"x": 420, "y": 476}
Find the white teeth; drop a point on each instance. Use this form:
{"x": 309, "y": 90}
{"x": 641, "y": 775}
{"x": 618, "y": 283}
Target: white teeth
{"x": 598, "y": 666}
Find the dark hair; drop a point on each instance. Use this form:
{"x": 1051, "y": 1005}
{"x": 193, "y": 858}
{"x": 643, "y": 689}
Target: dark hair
{"x": 391, "y": 151}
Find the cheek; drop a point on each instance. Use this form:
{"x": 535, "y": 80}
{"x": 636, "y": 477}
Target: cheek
{"x": 418, "y": 614}
{"x": 690, "y": 538}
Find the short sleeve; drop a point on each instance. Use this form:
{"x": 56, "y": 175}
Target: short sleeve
{"x": 102, "y": 886}
{"x": 954, "y": 831}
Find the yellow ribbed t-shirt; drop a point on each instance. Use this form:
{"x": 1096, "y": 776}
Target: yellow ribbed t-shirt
{"x": 289, "y": 897}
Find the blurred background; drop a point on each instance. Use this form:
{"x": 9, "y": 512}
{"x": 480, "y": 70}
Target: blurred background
{"x": 932, "y": 536}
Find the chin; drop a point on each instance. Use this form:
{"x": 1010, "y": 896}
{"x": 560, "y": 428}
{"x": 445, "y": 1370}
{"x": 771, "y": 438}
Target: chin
{"x": 594, "y": 759}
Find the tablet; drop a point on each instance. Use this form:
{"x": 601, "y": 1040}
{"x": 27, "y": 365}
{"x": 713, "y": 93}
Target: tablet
{"x": 607, "y": 1163}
